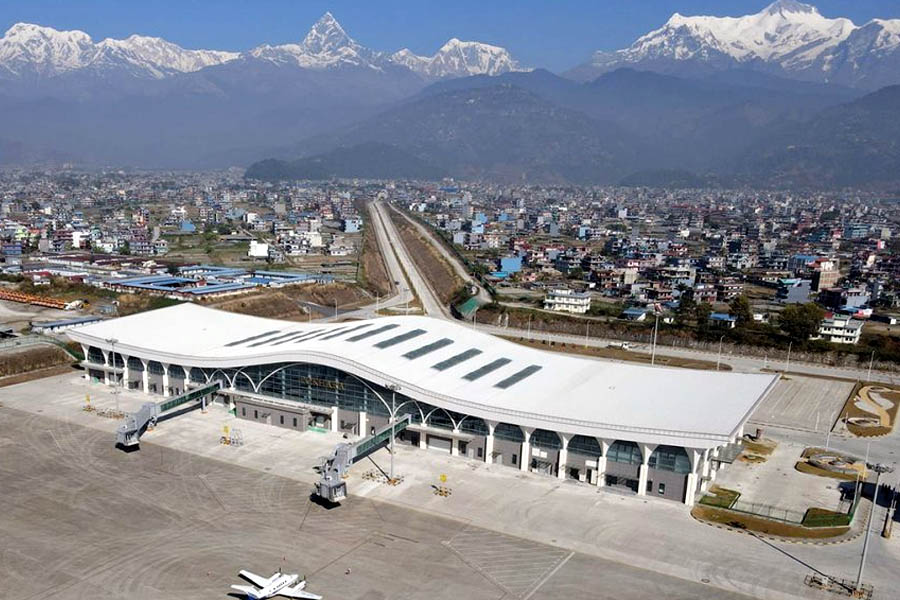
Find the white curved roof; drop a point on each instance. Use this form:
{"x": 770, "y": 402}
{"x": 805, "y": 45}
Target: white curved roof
{"x": 498, "y": 380}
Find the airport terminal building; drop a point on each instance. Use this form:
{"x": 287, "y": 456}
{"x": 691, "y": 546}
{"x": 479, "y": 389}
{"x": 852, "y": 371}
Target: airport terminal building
{"x": 657, "y": 431}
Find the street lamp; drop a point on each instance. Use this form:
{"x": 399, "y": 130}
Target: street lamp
{"x": 653, "y": 350}
{"x": 394, "y": 389}
{"x": 788, "y": 365}
{"x": 879, "y": 469}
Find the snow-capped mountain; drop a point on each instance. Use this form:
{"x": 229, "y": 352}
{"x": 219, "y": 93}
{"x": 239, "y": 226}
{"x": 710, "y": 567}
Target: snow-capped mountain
{"x": 326, "y": 45}
{"x": 28, "y": 50}
{"x": 457, "y": 58}
{"x": 787, "y": 37}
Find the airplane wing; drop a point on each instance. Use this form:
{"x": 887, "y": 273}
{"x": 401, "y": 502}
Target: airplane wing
{"x": 257, "y": 580}
{"x": 297, "y": 592}
{"x": 248, "y": 591}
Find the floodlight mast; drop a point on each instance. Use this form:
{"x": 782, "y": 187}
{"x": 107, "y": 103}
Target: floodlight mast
{"x": 394, "y": 389}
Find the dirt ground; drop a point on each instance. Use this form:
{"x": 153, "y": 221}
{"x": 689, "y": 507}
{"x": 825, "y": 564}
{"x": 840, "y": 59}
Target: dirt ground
{"x": 294, "y": 303}
{"x": 440, "y": 275}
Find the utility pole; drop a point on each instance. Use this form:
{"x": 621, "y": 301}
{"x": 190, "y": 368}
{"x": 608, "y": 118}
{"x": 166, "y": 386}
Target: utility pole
{"x": 889, "y": 517}
{"x": 719, "y": 357}
{"x": 879, "y": 469}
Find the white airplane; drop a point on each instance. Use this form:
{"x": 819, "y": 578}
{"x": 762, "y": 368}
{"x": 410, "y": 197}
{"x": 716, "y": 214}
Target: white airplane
{"x": 279, "y": 584}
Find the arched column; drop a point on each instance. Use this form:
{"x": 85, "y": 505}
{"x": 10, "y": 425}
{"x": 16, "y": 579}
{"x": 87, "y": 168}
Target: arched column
{"x": 601, "y": 462}
{"x": 165, "y": 381}
{"x": 334, "y": 419}
{"x": 125, "y": 371}
{"x": 525, "y": 454}
{"x": 454, "y": 443}
{"x": 646, "y": 451}
{"x": 691, "y": 485}
{"x": 489, "y": 442}
{"x": 145, "y": 375}
{"x": 106, "y": 357}
{"x": 363, "y": 424}
{"x": 87, "y": 371}
{"x": 563, "y": 454}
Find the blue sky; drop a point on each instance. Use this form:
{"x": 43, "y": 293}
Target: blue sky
{"x": 553, "y": 34}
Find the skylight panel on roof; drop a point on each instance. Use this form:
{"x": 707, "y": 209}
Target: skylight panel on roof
{"x": 517, "y": 377}
{"x": 369, "y": 334}
{"x": 314, "y": 335}
{"x": 337, "y": 333}
{"x": 274, "y": 339}
{"x": 482, "y": 371}
{"x": 253, "y": 337}
{"x": 293, "y": 338}
{"x": 422, "y": 351}
{"x": 399, "y": 338}
{"x": 455, "y": 360}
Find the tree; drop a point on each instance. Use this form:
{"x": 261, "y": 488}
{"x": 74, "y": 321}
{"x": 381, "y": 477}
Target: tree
{"x": 686, "y": 310}
{"x": 740, "y": 309}
{"x": 701, "y": 313}
{"x": 801, "y": 321}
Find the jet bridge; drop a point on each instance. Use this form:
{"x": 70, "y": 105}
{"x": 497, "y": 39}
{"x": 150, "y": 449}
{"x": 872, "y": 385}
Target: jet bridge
{"x": 128, "y": 435}
{"x": 331, "y": 486}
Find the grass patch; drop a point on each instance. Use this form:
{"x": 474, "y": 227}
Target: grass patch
{"x": 759, "y": 447}
{"x": 720, "y": 497}
{"x": 764, "y": 526}
{"x": 805, "y": 467}
{"x": 822, "y": 517}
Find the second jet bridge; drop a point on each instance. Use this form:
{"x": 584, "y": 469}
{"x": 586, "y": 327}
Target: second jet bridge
{"x": 128, "y": 435}
{"x": 331, "y": 486}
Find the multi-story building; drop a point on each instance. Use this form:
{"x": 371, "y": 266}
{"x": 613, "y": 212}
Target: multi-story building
{"x": 564, "y": 300}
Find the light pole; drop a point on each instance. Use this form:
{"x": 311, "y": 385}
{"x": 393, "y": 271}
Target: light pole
{"x": 719, "y": 357}
{"x": 788, "y": 364}
{"x": 871, "y": 360}
{"x": 879, "y": 469}
{"x": 653, "y": 349}
{"x": 394, "y": 388}
{"x": 112, "y": 342}
{"x": 828, "y": 427}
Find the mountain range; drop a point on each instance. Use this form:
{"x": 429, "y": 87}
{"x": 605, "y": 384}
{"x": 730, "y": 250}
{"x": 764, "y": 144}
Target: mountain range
{"x": 699, "y": 99}
{"x": 787, "y": 38}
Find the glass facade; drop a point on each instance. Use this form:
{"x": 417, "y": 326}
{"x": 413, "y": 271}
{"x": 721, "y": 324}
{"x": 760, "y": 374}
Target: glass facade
{"x": 625, "y": 452}
{"x": 670, "y": 458}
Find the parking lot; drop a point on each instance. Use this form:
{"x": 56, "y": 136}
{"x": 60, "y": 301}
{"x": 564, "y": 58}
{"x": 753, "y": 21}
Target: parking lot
{"x": 804, "y": 403}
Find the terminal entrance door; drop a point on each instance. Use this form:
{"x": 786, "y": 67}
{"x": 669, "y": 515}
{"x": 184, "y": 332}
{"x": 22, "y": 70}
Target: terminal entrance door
{"x": 622, "y": 482}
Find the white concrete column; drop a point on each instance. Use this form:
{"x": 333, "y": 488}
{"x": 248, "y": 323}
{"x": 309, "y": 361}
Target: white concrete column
{"x": 423, "y": 441}
{"x": 125, "y": 372}
{"x": 646, "y": 451}
{"x": 489, "y": 442}
{"x": 563, "y": 455}
{"x": 454, "y": 444}
{"x": 691, "y": 485}
{"x": 145, "y": 375}
{"x": 363, "y": 424}
{"x": 740, "y": 433}
{"x": 106, "y": 361}
{"x": 165, "y": 382}
{"x": 525, "y": 455}
{"x": 87, "y": 372}
{"x": 601, "y": 463}
{"x": 334, "y": 419}
{"x": 704, "y": 466}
